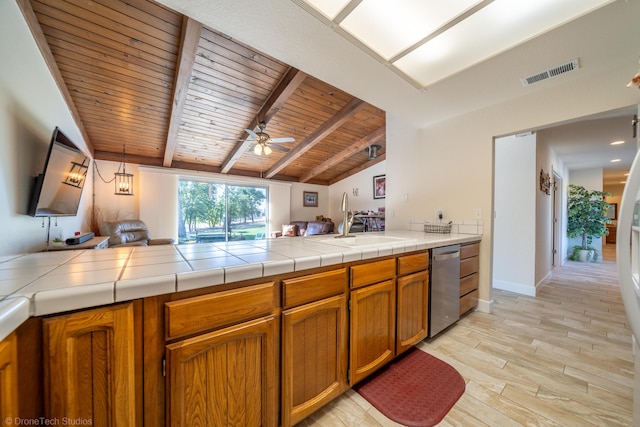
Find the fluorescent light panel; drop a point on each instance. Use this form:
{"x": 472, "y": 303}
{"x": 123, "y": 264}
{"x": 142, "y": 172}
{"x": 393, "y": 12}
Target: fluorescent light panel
{"x": 420, "y": 41}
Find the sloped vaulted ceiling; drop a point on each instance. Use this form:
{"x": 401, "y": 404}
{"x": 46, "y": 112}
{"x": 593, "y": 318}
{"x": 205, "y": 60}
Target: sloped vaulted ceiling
{"x": 178, "y": 94}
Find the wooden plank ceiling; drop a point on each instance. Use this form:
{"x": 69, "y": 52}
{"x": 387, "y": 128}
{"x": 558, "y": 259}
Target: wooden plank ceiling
{"x": 177, "y": 94}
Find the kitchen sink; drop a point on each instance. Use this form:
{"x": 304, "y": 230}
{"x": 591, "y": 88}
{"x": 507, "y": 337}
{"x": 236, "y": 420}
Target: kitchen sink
{"x": 358, "y": 241}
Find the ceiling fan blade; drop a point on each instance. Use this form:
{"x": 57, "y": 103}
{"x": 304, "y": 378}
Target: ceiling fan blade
{"x": 251, "y": 133}
{"x": 279, "y": 148}
{"x": 284, "y": 139}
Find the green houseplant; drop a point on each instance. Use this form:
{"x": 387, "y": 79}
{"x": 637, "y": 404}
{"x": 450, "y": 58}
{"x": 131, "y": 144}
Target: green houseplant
{"x": 587, "y": 219}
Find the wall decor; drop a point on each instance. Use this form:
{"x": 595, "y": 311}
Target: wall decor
{"x": 310, "y": 199}
{"x": 379, "y": 186}
{"x": 545, "y": 182}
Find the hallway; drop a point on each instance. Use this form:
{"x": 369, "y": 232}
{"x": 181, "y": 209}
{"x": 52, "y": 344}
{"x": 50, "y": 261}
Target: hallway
{"x": 562, "y": 358}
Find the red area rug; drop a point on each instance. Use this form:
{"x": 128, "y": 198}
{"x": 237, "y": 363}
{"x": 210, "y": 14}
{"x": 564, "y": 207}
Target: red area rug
{"x": 416, "y": 390}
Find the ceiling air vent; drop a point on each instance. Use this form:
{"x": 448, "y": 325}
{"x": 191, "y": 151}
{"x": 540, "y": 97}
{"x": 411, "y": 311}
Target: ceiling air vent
{"x": 551, "y": 72}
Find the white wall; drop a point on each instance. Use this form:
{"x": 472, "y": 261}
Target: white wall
{"x": 299, "y": 212}
{"x": 31, "y": 106}
{"x": 514, "y": 224}
{"x": 360, "y": 183}
{"x": 547, "y": 160}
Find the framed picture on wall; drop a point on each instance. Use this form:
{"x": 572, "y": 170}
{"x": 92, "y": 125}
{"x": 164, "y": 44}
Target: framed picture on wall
{"x": 379, "y": 186}
{"x": 310, "y": 199}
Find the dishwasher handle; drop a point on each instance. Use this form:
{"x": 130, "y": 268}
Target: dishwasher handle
{"x": 449, "y": 255}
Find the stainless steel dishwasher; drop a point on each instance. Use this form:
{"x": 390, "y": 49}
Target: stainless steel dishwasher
{"x": 444, "y": 304}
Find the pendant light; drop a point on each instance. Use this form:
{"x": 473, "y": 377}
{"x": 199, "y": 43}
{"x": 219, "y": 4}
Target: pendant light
{"x": 123, "y": 180}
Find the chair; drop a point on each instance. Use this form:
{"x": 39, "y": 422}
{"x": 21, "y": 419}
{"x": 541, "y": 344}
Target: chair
{"x": 130, "y": 232}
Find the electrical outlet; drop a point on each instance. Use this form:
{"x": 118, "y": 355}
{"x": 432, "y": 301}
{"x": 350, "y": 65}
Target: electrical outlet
{"x": 477, "y": 213}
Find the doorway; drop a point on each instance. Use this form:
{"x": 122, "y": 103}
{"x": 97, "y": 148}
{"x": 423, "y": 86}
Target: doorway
{"x": 556, "y": 253}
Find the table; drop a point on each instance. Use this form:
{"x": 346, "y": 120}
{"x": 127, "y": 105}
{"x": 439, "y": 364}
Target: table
{"x": 99, "y": 242}
{"x": 371, "y": 222}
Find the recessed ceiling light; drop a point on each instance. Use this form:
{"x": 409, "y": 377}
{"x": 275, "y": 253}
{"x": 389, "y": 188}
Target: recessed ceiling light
{"x": 626, "y": 174}
{"x": 617, "y": 142}
{"x": 623, "y": 182}
{"x": 616, "y": 160}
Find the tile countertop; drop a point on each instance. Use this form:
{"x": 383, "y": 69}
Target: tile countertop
{"x": 52, "y": 282}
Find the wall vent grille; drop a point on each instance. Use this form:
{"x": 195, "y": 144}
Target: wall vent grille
{"x": 551, "y": 72}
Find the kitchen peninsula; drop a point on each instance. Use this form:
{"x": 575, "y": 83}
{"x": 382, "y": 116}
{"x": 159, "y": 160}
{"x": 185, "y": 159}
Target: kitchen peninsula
{"x": 162, "y": 325}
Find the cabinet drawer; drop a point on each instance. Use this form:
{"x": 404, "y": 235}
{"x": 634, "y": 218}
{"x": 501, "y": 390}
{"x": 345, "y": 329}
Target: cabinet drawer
{"x": 373, "y": 272}
{"x": 467, "y": 251}
{"x": 211, "y": 311}
{"x": 314, "y": 287}
{"x": 468, "y": 301}
{"x": 412, "y": 263}
{"x": 468, "y": 284}
{"x": 469, "y": 266}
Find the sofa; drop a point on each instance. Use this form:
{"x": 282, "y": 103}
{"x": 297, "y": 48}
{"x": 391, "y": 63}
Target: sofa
{"x": 308, "y": 228}
{"x": 130, "y": 232}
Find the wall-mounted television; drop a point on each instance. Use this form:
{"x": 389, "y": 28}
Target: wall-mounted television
{"x": 58, "y": 189}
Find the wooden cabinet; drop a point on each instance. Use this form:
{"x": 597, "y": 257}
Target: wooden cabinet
{"x": 314, "y": 343}
{"x": 373, "y": 318}
{"x": 469, "y": 267}
{"x": 225, "y": 371}
{"x": 9, "y": 377}
{"x": 412, "y": 301}
{"x": 226, "y": 377}
{"x": 90, "y": 366}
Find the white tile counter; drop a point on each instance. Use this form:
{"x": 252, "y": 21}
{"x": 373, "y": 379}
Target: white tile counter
{"x": 52, "y": 282}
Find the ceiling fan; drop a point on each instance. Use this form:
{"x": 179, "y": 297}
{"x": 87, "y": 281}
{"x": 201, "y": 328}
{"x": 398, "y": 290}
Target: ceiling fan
{"x": 264, "y": 143}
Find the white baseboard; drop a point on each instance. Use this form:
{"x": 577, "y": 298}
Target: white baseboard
{"x": 485, "y": 306}
{"x": 518, "y": 288}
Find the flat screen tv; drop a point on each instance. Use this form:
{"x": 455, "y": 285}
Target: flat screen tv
{"x": 58, "y": 188}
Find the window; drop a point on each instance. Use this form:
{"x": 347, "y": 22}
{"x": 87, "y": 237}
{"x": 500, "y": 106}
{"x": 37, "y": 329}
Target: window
{"x": 219, "y": 212}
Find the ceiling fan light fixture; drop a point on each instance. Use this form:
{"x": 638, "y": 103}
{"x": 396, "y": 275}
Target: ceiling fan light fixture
{"x": 267, "y": 150}
{"x": 257, "y": 150}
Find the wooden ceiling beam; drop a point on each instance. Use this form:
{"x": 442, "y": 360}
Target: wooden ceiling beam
{"x": 283, "y": 90}
{"x": 355, "y": 148}
{"x": 188, "y": 47}
{"x": 49, "y": 59}
{"x": 348, "y": 111}
{"x": 358, "y": 169}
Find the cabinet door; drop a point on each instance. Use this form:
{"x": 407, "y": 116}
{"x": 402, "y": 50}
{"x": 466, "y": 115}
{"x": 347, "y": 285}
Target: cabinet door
{"x": 90, "y": 366}
{"x": 314, "y": 356}
{"x": 413, "y": 303}
{"x": 9, "y": 377}
{"x": 373, "y": 328}
{"x": 223, "y": 378}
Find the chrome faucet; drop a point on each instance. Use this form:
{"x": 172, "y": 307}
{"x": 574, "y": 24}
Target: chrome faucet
{"x": 347, "y": 222}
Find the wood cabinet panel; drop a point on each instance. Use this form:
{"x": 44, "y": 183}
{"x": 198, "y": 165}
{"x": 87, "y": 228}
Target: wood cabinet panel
{"x": 469, "y": 266}
{"x": 469, "y": 283}
{"x": 413, "y": 263}
{"x": 314, "y": 356}
{"x": 468, "y": 301}
{"x": 373, "y": 272}
{"x": 412, "y": 311}
{"x": 90, "y": 366}
{"x": 207, "y": 312}
{"x": 467, "y": 251}
{"x": 314, "y": 287}
{"x": 226, "y": 377}
{"x": 9, "y": 377}
{"x": 373, "y": 329}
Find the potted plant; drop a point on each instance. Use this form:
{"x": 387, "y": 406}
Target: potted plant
{"x": 587, "y": 219}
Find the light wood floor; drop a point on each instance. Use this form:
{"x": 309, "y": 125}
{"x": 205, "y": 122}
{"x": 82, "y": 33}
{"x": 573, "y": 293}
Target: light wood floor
{"x": 562, "y": 358}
